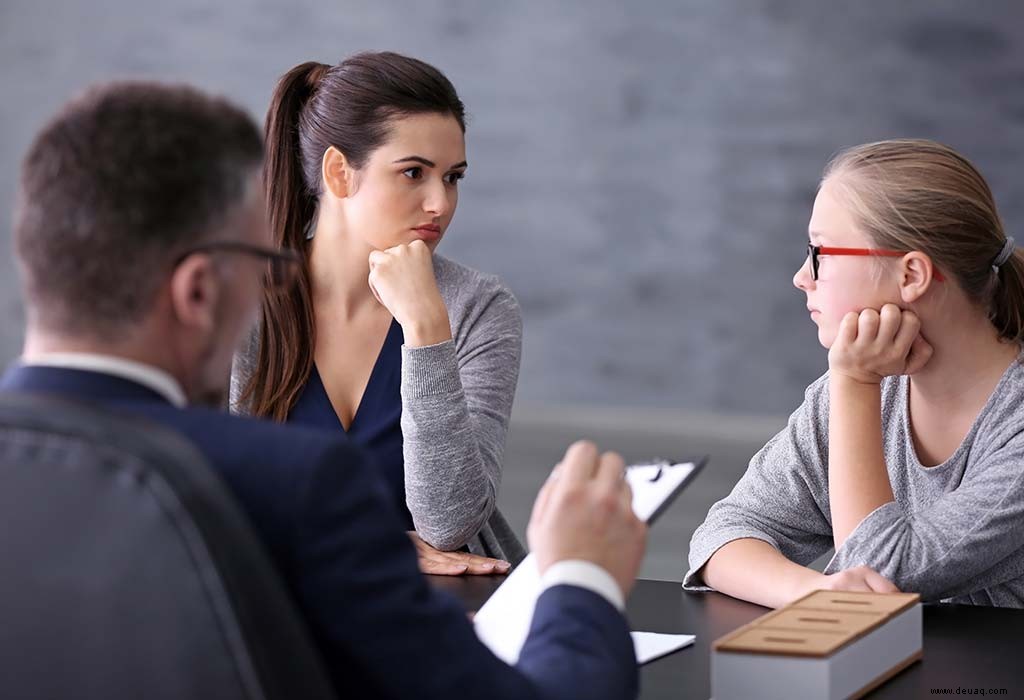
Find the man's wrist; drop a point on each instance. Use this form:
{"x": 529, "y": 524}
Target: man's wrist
{"x": 587, "y": 575}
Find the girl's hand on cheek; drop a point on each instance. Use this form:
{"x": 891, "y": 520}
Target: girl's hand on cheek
{"x": 874, "y": 344}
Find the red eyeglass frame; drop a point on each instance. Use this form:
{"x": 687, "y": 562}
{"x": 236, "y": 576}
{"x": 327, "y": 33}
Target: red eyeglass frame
{"x": 814, "y": 251}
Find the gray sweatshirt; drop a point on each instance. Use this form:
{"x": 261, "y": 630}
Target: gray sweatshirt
{"x": 955, "y": 531}
{"x": 456, "y": 401}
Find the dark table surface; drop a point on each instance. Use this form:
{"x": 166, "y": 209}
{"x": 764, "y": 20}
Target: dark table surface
{"x": 965, "y": 647}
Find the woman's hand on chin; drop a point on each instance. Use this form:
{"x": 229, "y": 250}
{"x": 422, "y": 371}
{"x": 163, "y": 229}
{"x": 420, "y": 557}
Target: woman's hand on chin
{"x": 402, "y": 278}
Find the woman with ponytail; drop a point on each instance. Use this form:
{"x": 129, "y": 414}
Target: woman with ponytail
{"x": 907, "y": 457}
{"x": 413, "y": 356}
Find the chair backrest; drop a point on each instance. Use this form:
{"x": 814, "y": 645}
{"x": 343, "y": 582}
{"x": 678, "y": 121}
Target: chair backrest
{"x": 127, "y": 570}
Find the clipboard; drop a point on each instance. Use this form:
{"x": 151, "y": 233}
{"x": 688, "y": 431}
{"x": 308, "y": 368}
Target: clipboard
{"x": 503, "y": 622}
{"x": 659, "y": 469}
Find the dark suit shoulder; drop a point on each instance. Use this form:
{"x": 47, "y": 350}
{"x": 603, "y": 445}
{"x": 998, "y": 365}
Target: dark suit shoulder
{"x": 227, "y": 438}
{"x": 273, "y": 469}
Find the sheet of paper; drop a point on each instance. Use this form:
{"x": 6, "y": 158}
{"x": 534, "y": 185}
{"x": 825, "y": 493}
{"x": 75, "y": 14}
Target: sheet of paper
{"x": 503, "y": 622}
{"x": 653, "y": 645}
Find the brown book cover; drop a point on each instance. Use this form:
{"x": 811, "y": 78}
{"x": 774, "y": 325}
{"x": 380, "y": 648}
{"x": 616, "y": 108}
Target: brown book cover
{"x": 820, "y": 627}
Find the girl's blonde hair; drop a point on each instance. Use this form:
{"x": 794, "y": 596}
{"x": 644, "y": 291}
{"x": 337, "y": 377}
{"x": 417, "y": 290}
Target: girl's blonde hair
{"x": 915, "y": 194}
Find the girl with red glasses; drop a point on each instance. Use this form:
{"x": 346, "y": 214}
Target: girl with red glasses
{"x": 907, "y": 457}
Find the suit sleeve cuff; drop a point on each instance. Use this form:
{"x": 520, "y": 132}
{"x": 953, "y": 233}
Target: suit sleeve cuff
{"x": 584, "y": 574}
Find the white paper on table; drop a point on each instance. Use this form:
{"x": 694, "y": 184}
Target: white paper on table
{"x": 653, "y": 645}
{"x": 503, "y": 622}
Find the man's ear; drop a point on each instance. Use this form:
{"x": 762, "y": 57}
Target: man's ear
{"x": 194, "y": 292}
{"x": 917, "y": 275}
{"x": 337, "y": 174}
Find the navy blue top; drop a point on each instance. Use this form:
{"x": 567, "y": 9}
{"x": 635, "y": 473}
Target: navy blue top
{"x": 377, "y": 423}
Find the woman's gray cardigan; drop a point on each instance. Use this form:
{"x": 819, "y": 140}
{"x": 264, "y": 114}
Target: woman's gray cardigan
{"x": 456, "y": 401}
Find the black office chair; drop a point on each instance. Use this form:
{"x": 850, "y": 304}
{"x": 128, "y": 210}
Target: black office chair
{"x": 128, "y": 571}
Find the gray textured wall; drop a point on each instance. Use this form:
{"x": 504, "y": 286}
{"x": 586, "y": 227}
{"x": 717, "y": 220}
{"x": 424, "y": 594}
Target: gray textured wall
{"x": 641, "y": 173}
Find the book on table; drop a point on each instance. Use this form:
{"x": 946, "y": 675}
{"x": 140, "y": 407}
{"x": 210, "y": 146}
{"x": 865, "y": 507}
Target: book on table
{"x": 827, "y": 644}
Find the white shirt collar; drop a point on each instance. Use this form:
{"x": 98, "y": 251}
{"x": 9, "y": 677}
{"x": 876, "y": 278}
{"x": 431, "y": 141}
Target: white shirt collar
{"x": 147, "y": 375}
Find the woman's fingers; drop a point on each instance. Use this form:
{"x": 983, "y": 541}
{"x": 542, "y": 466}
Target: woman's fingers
{"x": 378, "y": 257}
{"x": 441, "y": 568}
{"x": 455, "y": 563}
{"x": 373, "y": 289}
{"x": 437, "y": 562}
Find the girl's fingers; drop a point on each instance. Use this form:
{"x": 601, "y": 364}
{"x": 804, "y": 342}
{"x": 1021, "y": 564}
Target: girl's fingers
{"x": 848, "y": 328}
{"x": 890, "y": 321}
{"x": 867, "y": 325}
{"x": 852, "y": 580}
{"x": 879, "y": 583}
{"x": 909, "y": 328}
{"x": 920, "y": 352}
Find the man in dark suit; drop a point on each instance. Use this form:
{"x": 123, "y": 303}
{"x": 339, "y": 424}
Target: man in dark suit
{"x": 141, "y": 236}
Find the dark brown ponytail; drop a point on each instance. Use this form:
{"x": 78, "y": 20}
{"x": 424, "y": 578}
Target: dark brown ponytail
{"x": 315, "y": 106}
{"x": 282, "y": 368}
